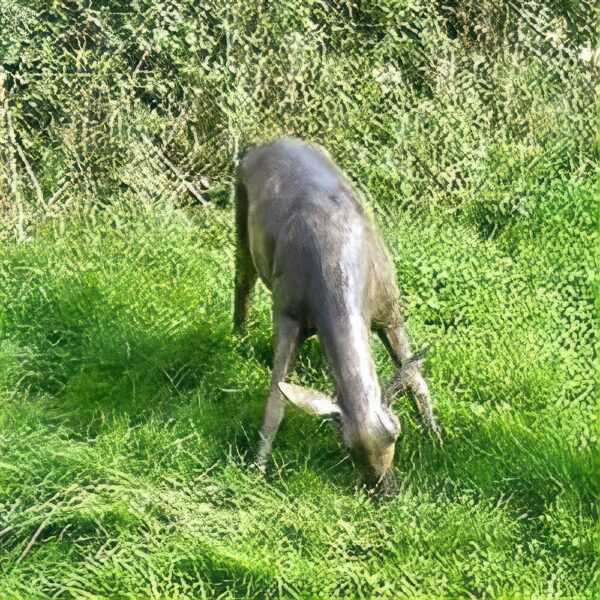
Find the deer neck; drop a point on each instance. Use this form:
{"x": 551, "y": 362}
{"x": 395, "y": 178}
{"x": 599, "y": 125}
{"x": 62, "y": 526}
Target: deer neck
{"x": 345, "y": 338}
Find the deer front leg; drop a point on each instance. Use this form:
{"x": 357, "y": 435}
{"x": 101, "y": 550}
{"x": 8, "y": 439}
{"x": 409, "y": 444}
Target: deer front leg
{"x": 395, "y": 339}
{"x": 287, "y": 333}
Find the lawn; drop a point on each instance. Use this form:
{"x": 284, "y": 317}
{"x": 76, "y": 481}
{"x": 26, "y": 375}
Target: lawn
{"x": 129, "y": 416}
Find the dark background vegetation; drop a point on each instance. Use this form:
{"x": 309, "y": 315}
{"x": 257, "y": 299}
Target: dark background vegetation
{"x": 129, "y": 412}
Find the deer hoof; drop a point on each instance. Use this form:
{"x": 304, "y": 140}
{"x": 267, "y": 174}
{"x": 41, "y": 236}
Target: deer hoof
{"x": 259, "y": 467}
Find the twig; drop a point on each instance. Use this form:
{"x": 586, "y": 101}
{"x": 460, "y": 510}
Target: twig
{"x": 28, "y": 168}
{"x": 138, "y": 66}
{"x": 19, "y": 217}
{"x": 183, "y": 439}
{"x": 57, "y": 193}
{"x": 39, "y": 530}
{"x": 190, "y": 188}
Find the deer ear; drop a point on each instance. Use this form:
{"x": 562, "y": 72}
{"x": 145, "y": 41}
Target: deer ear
{"x": 310, "y": 400}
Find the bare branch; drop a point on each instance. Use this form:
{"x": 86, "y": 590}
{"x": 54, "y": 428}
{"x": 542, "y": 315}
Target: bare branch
{"x": 187, "y": 184}
{"x": 28, "y": 167}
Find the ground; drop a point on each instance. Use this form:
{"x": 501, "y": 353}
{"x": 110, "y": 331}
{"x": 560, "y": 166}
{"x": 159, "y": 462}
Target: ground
{"x": 129, "y": 415}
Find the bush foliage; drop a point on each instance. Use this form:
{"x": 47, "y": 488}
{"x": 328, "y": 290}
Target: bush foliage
{"x": 128, "y": 411}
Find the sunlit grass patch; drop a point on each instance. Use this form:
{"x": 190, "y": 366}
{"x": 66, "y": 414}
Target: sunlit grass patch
{"x": 130, "y": 412}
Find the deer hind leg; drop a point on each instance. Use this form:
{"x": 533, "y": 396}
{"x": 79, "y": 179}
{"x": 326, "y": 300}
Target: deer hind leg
{"x": 245, "y": 273}
{"x": 395, "y": 339}
{"x": 288, "y": 336}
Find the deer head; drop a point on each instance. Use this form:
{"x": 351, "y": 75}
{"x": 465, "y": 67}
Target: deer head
{"x": 370, "y": 440}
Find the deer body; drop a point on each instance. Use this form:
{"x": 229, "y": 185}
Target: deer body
{"x": 302, "y": 231}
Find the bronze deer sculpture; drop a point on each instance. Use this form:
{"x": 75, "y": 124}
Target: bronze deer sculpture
{"x": 301, "y": 229}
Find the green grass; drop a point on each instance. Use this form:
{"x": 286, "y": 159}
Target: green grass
{"x": 129, "y": 416}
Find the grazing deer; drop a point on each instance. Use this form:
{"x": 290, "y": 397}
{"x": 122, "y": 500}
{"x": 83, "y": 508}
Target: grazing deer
{"x": 301, "y": 229}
